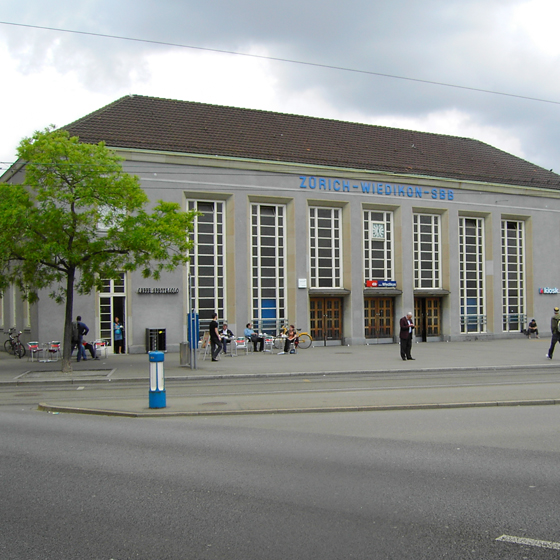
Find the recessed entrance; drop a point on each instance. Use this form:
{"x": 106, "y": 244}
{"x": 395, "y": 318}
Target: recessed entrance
{"x": 112, "y": 303}
{"x": 427, "y": 316}
{"x": 378, "y": 317}
{"x": 325, "y": 315}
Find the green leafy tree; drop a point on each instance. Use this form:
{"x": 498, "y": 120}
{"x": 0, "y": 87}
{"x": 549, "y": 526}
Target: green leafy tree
{"x": 77, "y": 218}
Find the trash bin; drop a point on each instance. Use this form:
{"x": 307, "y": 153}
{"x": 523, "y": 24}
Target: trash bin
{"x": 155, "y": 340}
{"x": 184, "y": 354}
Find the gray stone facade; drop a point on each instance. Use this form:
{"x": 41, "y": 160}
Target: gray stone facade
{"x": 238, "y": 185}
{"x": 340, "y": 252}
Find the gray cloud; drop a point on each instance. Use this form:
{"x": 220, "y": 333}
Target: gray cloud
{"x": 464, "y": 42}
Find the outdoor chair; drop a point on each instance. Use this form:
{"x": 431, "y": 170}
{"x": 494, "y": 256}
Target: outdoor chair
{"x": 292, "y": 349}
{"x": 101, "y": 349}
{"x": 205, "y": 345}
{"x": 35, "y": 351}
{"x": 268, "y": 344}
{"x": 243, "y": 343}
{"x": 54, "y": 351}
{"x": 231, "y": 347}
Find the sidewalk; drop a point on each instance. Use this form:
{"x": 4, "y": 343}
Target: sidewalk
{"x": 383, "y": 358}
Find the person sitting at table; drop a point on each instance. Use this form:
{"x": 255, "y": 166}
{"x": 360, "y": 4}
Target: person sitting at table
{"x": 226, "y": 335}
{"x": 88, "y": 346}
{"x": 291, "y": 336}
{"x": 254, "y": 337}
{"x": 92, "y": 350}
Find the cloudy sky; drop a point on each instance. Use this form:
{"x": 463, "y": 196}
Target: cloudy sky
{"x": 507, "y": 46}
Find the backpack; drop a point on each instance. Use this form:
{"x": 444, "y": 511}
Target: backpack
{"x": 75, "y": 332}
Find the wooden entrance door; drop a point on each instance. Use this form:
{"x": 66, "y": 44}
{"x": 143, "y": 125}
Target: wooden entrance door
{"x": 378, "y": 317}
{"x": 325, "y": 314}
{"x": 427, "y": 316}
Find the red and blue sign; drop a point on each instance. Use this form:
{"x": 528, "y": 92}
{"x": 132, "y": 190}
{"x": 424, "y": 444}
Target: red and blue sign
{"x": 381, "y": 283}
{"x": 548, "y": 290}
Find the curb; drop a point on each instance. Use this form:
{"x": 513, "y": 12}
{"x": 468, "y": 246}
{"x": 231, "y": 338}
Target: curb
{"x": 44, "y": 407}
{"x": 217, "y": 376}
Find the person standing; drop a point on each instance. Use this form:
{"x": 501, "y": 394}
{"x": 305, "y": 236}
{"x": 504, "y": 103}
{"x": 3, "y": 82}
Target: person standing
{"x": 555, "y": 334}
{"x": 407, "y": 328}
{"x": 118, "y": 336}
{"x": 215, "y": 340}
{"x": 79, "y": 330}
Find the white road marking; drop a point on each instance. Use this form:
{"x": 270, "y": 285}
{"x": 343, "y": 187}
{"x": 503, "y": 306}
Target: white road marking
{"x": 529, "y": 542}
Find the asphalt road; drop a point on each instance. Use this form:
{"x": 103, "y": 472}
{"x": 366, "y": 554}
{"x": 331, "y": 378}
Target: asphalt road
{"x": 314, "y": 392}
{"x": 407, "y": 484}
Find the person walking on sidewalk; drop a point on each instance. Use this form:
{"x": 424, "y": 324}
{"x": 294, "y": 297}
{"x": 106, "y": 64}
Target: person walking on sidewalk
{"x": 407, "y": 328}
{"x": 215, "y": 340}
{"x": 555, "y": 334}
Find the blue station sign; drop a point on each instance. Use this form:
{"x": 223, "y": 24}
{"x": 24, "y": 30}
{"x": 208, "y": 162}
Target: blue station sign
{"x": 373, "y": 188}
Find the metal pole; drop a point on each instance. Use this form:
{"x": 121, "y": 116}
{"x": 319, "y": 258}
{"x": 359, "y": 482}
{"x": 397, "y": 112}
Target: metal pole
{"x": 193, "y": 338}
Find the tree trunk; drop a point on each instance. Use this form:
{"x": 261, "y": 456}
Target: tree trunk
{"x": 67, "y": 342}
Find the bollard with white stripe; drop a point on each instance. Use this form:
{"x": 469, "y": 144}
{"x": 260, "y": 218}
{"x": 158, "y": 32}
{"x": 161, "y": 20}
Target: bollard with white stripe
{"x": 157, "y": 380}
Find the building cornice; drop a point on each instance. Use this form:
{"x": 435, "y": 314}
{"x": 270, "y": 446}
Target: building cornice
{"x": 289, "y": 168}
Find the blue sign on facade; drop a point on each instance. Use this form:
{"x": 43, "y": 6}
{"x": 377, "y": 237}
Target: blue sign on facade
{"x": 381, "y": 189}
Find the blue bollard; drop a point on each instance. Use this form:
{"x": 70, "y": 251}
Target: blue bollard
{"x": 157, "y": 380}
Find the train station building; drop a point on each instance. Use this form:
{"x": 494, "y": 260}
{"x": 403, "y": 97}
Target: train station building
{"x": 339, "y": 228}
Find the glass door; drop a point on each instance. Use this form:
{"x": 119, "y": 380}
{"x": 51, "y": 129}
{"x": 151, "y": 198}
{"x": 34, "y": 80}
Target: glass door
{"x": 112, "y": 303}
{"x": 427, "y": 317}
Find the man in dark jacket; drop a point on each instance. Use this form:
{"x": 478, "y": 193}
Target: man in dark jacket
{"x": 80, "y": 329}
{"x": 554, "y": 330}
{"x": 227, "y": 336}
{"x": 215, "y": 340}
{"x": 532, "y": 329}
{"x": 407, "y": 328}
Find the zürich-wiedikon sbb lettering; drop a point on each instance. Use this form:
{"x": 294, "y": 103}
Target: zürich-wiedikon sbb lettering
{"x": 364, "y": 187}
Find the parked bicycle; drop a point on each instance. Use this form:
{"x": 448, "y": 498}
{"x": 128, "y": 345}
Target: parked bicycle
{"x": 13, "y": 345}
{"x": 304, "y": 339}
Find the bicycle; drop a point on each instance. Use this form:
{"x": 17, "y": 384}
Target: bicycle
{"x": 13, "y": 345}
{"x": 304, "y": 339}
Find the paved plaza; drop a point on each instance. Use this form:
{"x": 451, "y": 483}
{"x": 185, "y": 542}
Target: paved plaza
{"x": 376, "y": 359}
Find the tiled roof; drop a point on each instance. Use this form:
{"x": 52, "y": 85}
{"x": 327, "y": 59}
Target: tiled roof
{"x": 150, "y": 123}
